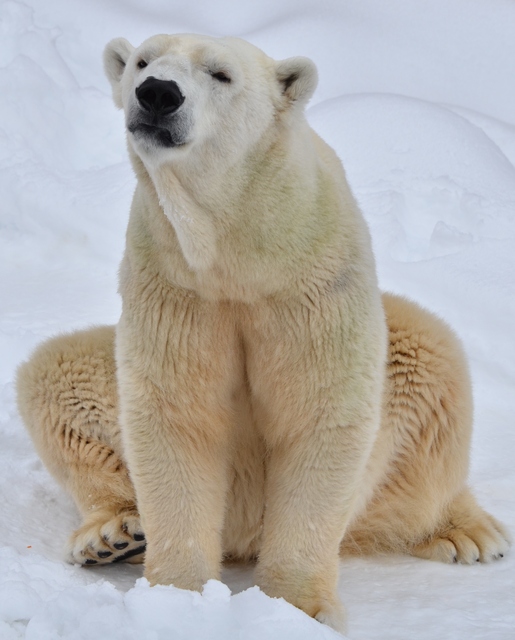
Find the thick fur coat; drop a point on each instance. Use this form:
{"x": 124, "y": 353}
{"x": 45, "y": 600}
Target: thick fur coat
{"x": 247, "y": 405}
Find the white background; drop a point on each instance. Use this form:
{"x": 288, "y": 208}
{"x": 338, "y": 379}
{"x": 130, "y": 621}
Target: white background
{"x": 418, "y": 98}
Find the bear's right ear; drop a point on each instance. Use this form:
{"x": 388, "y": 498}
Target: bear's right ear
{"x": 116, "y": 54}
{"x": 298, "y": 78}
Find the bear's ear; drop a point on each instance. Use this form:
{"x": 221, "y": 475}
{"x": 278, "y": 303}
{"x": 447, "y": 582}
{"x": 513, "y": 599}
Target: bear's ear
{"x": 298, "y": 78}
{"x": 116, "y": 54}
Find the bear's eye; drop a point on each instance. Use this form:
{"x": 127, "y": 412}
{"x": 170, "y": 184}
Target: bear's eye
{"x": 142, "y": 64}
{"x": 221, "y": 76}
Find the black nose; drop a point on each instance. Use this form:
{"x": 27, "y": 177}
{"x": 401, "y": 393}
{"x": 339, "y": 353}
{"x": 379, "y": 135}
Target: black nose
{"x": 161, "y": 97}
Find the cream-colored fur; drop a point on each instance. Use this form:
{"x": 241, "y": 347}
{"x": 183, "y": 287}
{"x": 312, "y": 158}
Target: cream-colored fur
{"x": 415, "y": 499}
{"x": 250, "y": 355}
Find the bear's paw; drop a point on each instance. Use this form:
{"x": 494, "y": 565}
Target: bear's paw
{"x": 108, "y": 538}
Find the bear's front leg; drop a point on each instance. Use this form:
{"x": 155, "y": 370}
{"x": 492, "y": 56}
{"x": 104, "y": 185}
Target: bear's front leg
{"x": 176, "y": 360}
{"x": 316, "y": 374}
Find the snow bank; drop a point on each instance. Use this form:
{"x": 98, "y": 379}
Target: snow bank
{"x": 39, "y": 601}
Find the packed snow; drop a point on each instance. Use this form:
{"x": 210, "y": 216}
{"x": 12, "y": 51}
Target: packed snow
{"x": 418, "y": 98}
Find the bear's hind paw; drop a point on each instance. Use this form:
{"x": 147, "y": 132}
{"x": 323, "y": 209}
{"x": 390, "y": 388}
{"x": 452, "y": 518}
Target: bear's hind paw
{"x": 105, "y": 540}
{"x": 481, "y": 539}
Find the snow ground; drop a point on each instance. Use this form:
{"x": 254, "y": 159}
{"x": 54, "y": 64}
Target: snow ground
{"x": 418, "y": 98}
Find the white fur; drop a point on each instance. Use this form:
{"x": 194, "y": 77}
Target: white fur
{"x": 268, "y": 262}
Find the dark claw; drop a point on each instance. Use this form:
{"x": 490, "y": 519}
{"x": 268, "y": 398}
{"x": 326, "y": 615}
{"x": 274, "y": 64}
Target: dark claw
{"x": 104, "y": 554}
{"x": 501, "y": 555}
{"x": 90, "y": 561}
{"x": 130, "y": 553}
{"x": 455, "y": 559}
{"x": 120, "y": 545}
{"x": 139, "y": 537}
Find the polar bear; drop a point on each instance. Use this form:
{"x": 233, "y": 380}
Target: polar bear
{"x": 252, "y": 401}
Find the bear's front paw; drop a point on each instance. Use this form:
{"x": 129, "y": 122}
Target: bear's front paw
{"x": 333, "y": 615}
{"x": 311, "y": 593}
{"x": 104, "y": 539}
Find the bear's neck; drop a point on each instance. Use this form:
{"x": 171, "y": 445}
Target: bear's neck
{"x": 248, "y": 231}
{"x": 206, "y": 203}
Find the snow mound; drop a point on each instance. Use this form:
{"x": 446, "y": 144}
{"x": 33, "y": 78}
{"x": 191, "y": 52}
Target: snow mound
{"x": 439, "y": 181}
{"x": 41, "y": 602}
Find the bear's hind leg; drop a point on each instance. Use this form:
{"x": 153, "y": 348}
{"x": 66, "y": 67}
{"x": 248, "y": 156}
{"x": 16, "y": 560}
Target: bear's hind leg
{"x": 468, "y": 535}
{"x": 68, "y": 400}
{"x": 421, "y": 504}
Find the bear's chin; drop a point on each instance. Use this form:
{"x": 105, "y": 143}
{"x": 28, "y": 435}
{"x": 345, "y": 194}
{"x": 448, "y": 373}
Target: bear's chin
{"x": 154, "y": 136}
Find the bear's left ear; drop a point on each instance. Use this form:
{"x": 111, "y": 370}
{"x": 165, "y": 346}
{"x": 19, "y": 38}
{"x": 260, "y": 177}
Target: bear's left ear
{"x": 298, "y": 78}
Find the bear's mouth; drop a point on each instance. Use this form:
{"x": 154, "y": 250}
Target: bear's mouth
{"x": 160, "y": 135}
{"x": 151, "y": 132}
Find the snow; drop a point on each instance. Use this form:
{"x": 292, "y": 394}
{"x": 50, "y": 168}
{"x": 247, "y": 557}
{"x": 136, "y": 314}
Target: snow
{"x": 101, "y": 610}
{"x": 418, "y": 99}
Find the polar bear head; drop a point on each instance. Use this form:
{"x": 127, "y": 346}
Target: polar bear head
{"x": 184, "y": 94}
